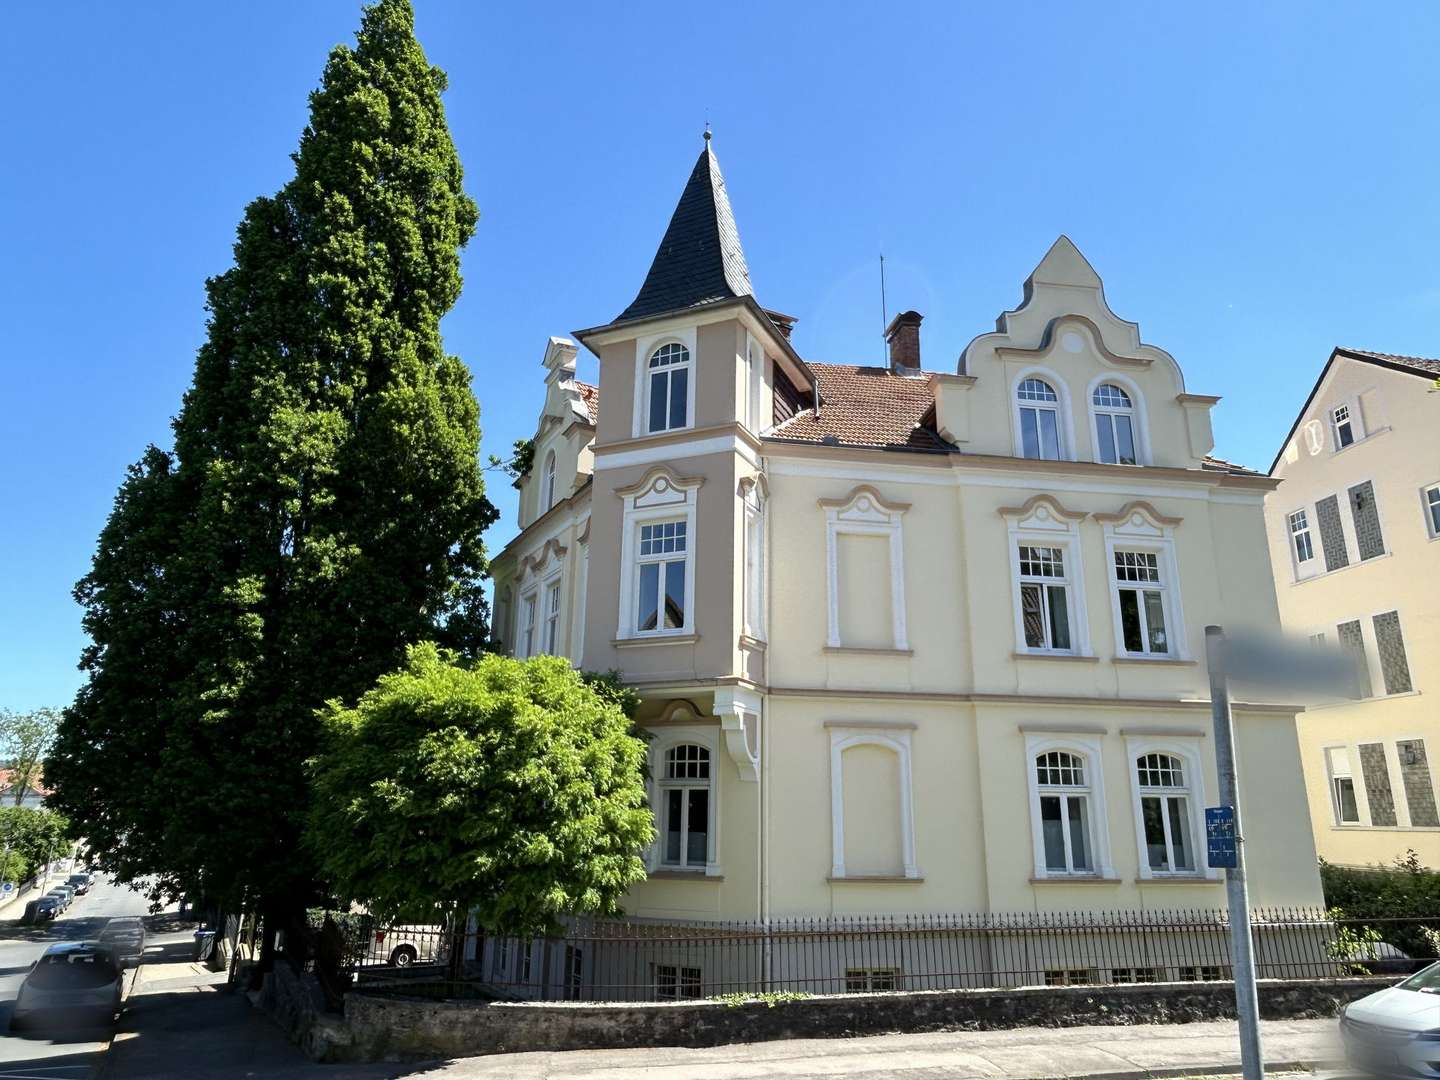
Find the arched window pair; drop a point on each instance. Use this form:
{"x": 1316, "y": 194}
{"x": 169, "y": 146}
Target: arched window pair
{"x": 1042, "y": 432}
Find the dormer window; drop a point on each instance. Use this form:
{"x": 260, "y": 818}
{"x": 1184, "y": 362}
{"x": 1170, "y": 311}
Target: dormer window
{"x": 547, "y": 490}
{"x": 1039, "y": 419}
{"x": 1342, "y": 426}
{"x": 668, "y": 388}
{"x": 1114, "y": 425}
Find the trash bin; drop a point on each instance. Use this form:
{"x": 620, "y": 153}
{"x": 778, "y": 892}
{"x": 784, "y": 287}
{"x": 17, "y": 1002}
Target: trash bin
{"x": 204, "y": 945}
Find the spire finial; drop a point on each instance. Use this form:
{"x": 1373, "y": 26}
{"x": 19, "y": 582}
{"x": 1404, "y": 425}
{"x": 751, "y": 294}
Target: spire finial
{"x": 707, "y": 131}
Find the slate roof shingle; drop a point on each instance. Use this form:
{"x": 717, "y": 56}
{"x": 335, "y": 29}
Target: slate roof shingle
{"x": 1418, "y": 363}
{"x": 867, "y": 406}
{"x": 699, "y": 260}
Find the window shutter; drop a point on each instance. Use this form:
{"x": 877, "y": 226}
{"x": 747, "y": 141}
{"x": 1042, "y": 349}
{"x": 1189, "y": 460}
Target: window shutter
{"x": 1352, "y": 640}
{"x": 1390, "y": 643}
{"x": 1367, "y": 521}
{"x": 1377, "y": 784}
{"x": 1415, "y": 777}
{"x": 1332, "y": 533}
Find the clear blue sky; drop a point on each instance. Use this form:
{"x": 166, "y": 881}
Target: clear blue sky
{"x": 1254, "y": 183}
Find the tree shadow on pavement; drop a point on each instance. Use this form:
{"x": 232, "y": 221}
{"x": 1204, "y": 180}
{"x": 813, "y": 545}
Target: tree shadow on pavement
{"x": 76, "y": 1066}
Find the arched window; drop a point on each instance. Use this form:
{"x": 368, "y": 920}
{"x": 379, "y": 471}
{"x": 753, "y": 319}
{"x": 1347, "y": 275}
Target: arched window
{"x": 668, "y": 389}
{"x": 1165, "y": 813}
{"x": 1039, "y": 419}
{"x": 547, "y": 490}
{"x": 685, "y": 808}
{"x": 1064, "y": 793}
{"x": 1114, "y": 425}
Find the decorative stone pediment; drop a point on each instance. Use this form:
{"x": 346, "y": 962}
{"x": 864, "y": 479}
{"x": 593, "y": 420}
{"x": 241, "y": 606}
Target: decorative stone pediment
{"x": 864, "y": 505}
{"x": 1043, "y": 513}
{"x": 537, "y": 560}
{"x": 739, "y": 713}
{"x": 1138, "y": 519}
{"x": 661, "y": 486}
{"x": 753, "y": 490}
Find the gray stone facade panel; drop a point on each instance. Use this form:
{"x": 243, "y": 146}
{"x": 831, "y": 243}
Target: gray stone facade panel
{"x": 1415, "y": 776}
{"x": 1377, "y": 783}
{"x": 1352, "y": 640}
{"x": 1367, "y": 521}
{"x": 1390, "y": 643}
{"x": 1332, "y": 533}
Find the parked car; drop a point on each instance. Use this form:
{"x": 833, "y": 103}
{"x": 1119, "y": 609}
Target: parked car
{"x": 402, "y": 946}
{"x": 63, "y": 894}
{"x": 76, "y": 983}
{"x": 126, "y": 936}
{"x": 41, "y": 910}
{"x": 1396, "y": 1031}
{"x": 80, "y": 883}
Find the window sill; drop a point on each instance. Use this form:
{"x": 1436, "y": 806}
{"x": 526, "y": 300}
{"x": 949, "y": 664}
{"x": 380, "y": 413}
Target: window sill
{"x": 754, "y": 644}
{"x": 1073, "y": 657}
{"x": 683, "y": 875}
{"x": 1161, "y": 661}
{"x": 1361, "y": 701}
{"x": 1323, "y": 574}
{"x": 877, "y": 879}
{"x": 1075, "y": 879}
{"x": 863, "y": 651}
{"x": 654, "y": 639}
{"x": 1180, "y": 879}
{"x": 1357, "y": 827}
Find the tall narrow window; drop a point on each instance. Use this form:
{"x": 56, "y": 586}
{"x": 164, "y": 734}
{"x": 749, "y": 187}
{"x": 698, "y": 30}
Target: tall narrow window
{"x": 1342, "y": 786}
{"x": 1352, "y": 640}
{"x": 527, "y": 626}
{"x": 1114, "y": 425}
{"x": 661, "y": 577}
{"x": 1039, "y": 419}
{"x": 1342, "y": 426}
{"x": 1366, "y": 517}
{"x": 685, "y": 807}
{"x": 1064, "y": 813}
{"x": 1140, "y": 592}
{"x": 574, "y": 972}
{"x": 552, "y": 619}
{"x": 1432, "y": 510}
{"x": 1300, "y": 538}
{"x": 669, "y": 388}
{"x": 755, "y": 569}
{"x": 1165, "y": 814}
{"x": 547, "y": 490}
{"x": 1044, "y": 598}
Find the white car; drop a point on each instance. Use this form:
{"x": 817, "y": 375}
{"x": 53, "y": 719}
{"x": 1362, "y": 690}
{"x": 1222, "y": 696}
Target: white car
{"x": 1396, "y": 1031}
{"x": 75, "y": 984}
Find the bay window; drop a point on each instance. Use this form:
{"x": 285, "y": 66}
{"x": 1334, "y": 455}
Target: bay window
{"x": 660, "y": 576}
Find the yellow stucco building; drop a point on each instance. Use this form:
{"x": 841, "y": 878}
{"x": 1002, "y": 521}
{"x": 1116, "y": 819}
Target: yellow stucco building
{"x": 1353, "y": 532}
{"x": 908, "y": 641}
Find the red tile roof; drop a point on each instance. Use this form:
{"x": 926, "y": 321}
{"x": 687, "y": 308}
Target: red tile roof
{"x": 1420, "y": 364}
{"x": 866, "y": 406}
{"x": 7, "y": 784}
{"x": 590, "y": 394}
{"x": 1209, "y": 461}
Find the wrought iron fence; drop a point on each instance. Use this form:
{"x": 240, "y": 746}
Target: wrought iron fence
{"x": 640, "y": 960}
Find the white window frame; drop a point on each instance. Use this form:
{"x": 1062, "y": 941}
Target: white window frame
{"x": 675, "y": 976}
{"x": 753, "y": 373}
{"x": 578, "y": 621}
{"x": 554, "y": 600}
{"x": 1431, "y": 509}
{"x": 663, "y": 741}
{"x": 1188, "y": 750}
{"x": 1065, "y": 424}
{"x": 1088, "y": 749}
{"x": 660, "y": 496}
{"x": 1356, "y": 422}
{"x": 547, "y": 486}
{"x": 864, "y": 512}
{"x": 528, "y": 614}
{"x": 645, "y": 348}
{"x": 1063, "y": 582}
{"x": 1043, "y": 522}
{"x": 1315, "y": 564}
{"x": 1357, "y": 786}
{"x": 753, "y": 497}
{"x": 1138, "y": 528}
{"x": 895, "y": 738}
{"x": 1138, "y": 413}
{"x": 1162, "y": 586}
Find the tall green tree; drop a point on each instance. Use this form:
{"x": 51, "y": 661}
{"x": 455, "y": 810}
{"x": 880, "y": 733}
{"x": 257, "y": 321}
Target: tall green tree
{"x": 513, "y": 788}
{"x": 322, "y": 509}
{"x": 25, "y": 737}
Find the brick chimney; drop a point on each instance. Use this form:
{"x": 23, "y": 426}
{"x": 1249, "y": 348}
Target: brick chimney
{"x": 903, "y": 337}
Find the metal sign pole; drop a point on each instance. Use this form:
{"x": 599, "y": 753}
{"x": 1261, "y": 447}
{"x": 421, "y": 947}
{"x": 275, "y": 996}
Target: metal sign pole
{"x": 1242, "y": 956}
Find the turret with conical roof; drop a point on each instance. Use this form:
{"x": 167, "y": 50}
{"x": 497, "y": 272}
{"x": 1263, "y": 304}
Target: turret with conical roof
{"x": 700, "y": 260}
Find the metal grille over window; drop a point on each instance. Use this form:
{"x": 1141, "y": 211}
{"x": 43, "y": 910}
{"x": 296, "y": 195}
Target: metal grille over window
{"x": 1352, "y": 640}
{"x": 1332, "y": 533}
{"x": 1377, "y": 784}
{"x": 1390, "y": 643}
{"x": 1367, "y": 521}
{"x": 1415, "y": 779}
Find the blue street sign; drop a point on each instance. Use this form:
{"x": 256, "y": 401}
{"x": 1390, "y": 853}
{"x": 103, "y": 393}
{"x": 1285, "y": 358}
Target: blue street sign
{"x": 1220, "y": 837}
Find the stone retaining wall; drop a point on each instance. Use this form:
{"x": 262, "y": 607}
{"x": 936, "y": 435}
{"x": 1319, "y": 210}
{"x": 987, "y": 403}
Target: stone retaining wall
{"x": 389, "y": 1028}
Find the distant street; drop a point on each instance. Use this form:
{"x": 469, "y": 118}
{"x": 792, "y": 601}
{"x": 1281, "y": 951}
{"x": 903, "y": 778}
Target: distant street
{"x": 58, "y": 1055}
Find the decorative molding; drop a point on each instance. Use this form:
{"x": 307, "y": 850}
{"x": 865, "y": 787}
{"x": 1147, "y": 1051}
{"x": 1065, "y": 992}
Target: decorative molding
{"x": 865, "y": 512}
{"x": 681, "y": 710}
{"x": 739, "y": 711}
{"x": 1135, "y": 510}
{"x": 873, "y": 725}
{"x": 536, "y": 560}
{"x": 875, "y": 879}
{"x": 897, "y": 741}
{"x": 1037, "y": 506}
{"x": 1064, "y": 729}
{"x": 1076, "y": 879}
{"x": 1026, "y": 700}
{"x": 1086, "y": 745}
{"x": 1054, "y": 656}
{"x": 754, "y": 644}
{"x": 1051, "y": 338}
{"x": 855, "y": 507}
{"x": 858, "y": 649}
{"x": 1197, "y": 399}
{"x": 669, "y": 736}
{"x": 657, "y": 638}
{"x": 1161, "y": 732}
{"x": 1187, "y": 749}
{"x": 1158, "y": 661}
{"x": 660, "y": 481}
{"x": 682, "y": 875}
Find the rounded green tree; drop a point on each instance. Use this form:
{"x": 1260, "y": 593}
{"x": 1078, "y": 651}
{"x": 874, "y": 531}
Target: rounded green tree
{"x": 513, "y": 789}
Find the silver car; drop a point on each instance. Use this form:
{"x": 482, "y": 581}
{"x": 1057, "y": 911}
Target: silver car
{"x": 1396, "y": 1031}
{"x": 75, "y": 984}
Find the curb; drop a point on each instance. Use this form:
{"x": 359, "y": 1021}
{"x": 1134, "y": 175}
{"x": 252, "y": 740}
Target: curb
{"x": 1216, "y": 1069}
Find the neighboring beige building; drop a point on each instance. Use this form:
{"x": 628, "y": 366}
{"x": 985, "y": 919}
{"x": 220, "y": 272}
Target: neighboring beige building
{"x": 1353, "y": 531}
{"x": 907, "y": 641}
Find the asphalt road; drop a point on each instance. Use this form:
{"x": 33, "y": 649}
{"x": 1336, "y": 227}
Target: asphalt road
{"x": 58, "y": 1055}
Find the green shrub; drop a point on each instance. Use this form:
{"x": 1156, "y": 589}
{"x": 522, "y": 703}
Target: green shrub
{"x": 1404, "y": 890}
